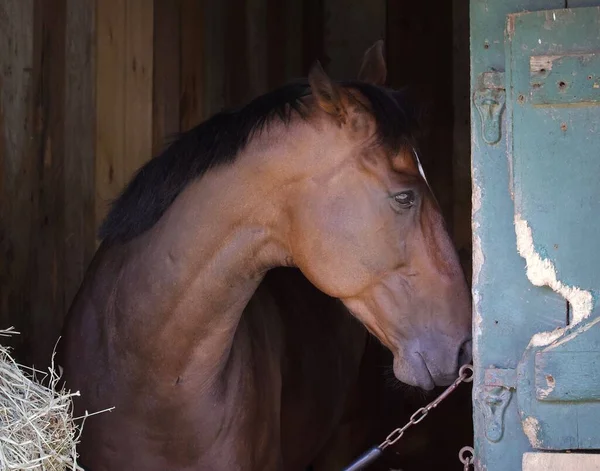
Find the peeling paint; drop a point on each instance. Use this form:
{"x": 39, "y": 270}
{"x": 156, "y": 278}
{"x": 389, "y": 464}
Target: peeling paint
{"x": 559, "y": 461}
{"x": 531, "y": 427}
{"x": 551, "y": 384}
{"x": 571, "y": 336}
{"x": 542, "y": 339}
{"x": 477, "y": 318}
{"x": 478, "y": 258}
{"x": 476, "y": 198}
{"x": 542, "y": 272}
{"x": 542, "y": 64}
{"x": 510, "y": 26}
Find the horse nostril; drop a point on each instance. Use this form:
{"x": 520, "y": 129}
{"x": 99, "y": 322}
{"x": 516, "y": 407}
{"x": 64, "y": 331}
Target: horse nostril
{"x": 465, "y": 353}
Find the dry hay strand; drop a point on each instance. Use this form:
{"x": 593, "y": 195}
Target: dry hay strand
{"x": 37, "y": 427}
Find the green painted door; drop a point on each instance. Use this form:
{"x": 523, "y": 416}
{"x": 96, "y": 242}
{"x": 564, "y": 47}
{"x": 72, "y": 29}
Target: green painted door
{"x": 535, "y": 82}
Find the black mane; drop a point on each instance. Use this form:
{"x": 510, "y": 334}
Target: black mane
{"x": 221, "y": 138}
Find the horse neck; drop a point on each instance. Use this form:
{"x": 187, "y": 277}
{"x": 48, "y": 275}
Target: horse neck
{"x": 186, "y": 282}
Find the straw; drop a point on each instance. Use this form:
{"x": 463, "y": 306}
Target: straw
{"x": 37, "y": 427}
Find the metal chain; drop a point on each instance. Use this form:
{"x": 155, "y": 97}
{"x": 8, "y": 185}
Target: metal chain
{"x": 420, "y": 414}
{"x": 466, "y": 457}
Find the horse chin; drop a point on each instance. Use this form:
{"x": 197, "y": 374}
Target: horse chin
{"x": 413, "y": 371}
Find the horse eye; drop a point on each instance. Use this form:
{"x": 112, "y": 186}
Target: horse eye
{"x": 405, "y": 199}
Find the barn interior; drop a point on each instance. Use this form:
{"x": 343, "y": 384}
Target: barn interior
{"x": 91, "y": 89}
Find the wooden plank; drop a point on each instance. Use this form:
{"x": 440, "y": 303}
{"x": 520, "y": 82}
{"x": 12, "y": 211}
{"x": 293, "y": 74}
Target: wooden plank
{"x": 257, "y": 51}
{"x": 80, "y": 125}
{"x": 214, "y": 57}
{"x": 48, "y": 217}
{"x": 560, "y": 461}
{"x": 284, "y": 41}
{"x": 294, "y": 24}
{"x": 124, "y": 95}
{"x": 352, "y": 26}
{"x": 580, "y": 3}
{"x": 139, "y": 54}
{"x": 276, "y": 41}
{"x": 192, "y": 64}
{"x": 461, "y": 143}
{"x": 313, "y": 32}
{"x": 567, "y": 376}
{"x": 500, "y": 332}
{"x": 567, "y": 80}
{"x": 167, "y": 63}
{"x": 110, "y": 102}
{"x": 16, "y": 162}
{"x": 236, "y": 60}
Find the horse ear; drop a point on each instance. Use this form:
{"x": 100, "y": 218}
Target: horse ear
{"x": 373, "y": 69}
{"x": 328, "y": 94}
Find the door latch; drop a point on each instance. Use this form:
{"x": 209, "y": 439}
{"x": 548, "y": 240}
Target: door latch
{"x": 498, "y": 387}
{"x": 489, "y": 99}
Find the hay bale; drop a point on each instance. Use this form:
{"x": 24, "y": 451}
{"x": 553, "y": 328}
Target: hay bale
{"x": 37, "y": 427}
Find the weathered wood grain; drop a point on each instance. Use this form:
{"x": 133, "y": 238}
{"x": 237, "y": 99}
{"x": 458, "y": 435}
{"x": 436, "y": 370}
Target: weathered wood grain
{"x": 313, "y": 33}
{"x": 16, "y": 162}
{"x": 560, "y": 461}
{"x": 235, "y": 50}
{"x": 276, "y": 41}
{"x": 167, "y": 69}
{"x": 351, "y": 26}
{"x": 461, "y": 148}
{"x": 139, "y": 30}
{"x": 80, "y": 129}
{"x": 110, "y": 103}
{"x": 124, "y": 95}
{"x": 192, "y": 63}
{"x": 214, "y": 57}
{"x": 47, "y": 250}
{"x": 257, "y": 47}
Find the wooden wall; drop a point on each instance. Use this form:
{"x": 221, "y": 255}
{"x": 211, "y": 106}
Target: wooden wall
{"x": 90, "y": 90}
{"x": 47, "y": 199}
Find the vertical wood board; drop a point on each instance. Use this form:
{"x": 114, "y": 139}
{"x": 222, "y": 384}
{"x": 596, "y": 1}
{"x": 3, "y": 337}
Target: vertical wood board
{"x": 123, "y": 95}
{"x": 80, "y": 129}
{"x": 166, "y": 72}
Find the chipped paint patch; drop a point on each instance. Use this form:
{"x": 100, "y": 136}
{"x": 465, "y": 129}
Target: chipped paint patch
{"x": 510, "y": 26}
{"x": 542, "y": 64}
{"x": 542, "y": 272}
{"x": 550, "y": 385}
{"x": 542, "y": 339}
{"x": 477, "y": 318}
{"x": 478, "y": 258}
{"x": 559, "y": 461}
{"x": 572, "y": 335}
{"x": 475, "y": 198}
{"x": 531, "y": 427}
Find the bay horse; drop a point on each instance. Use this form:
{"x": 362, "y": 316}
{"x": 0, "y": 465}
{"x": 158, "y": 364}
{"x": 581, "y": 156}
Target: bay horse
{"x": 223, "y": 316}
